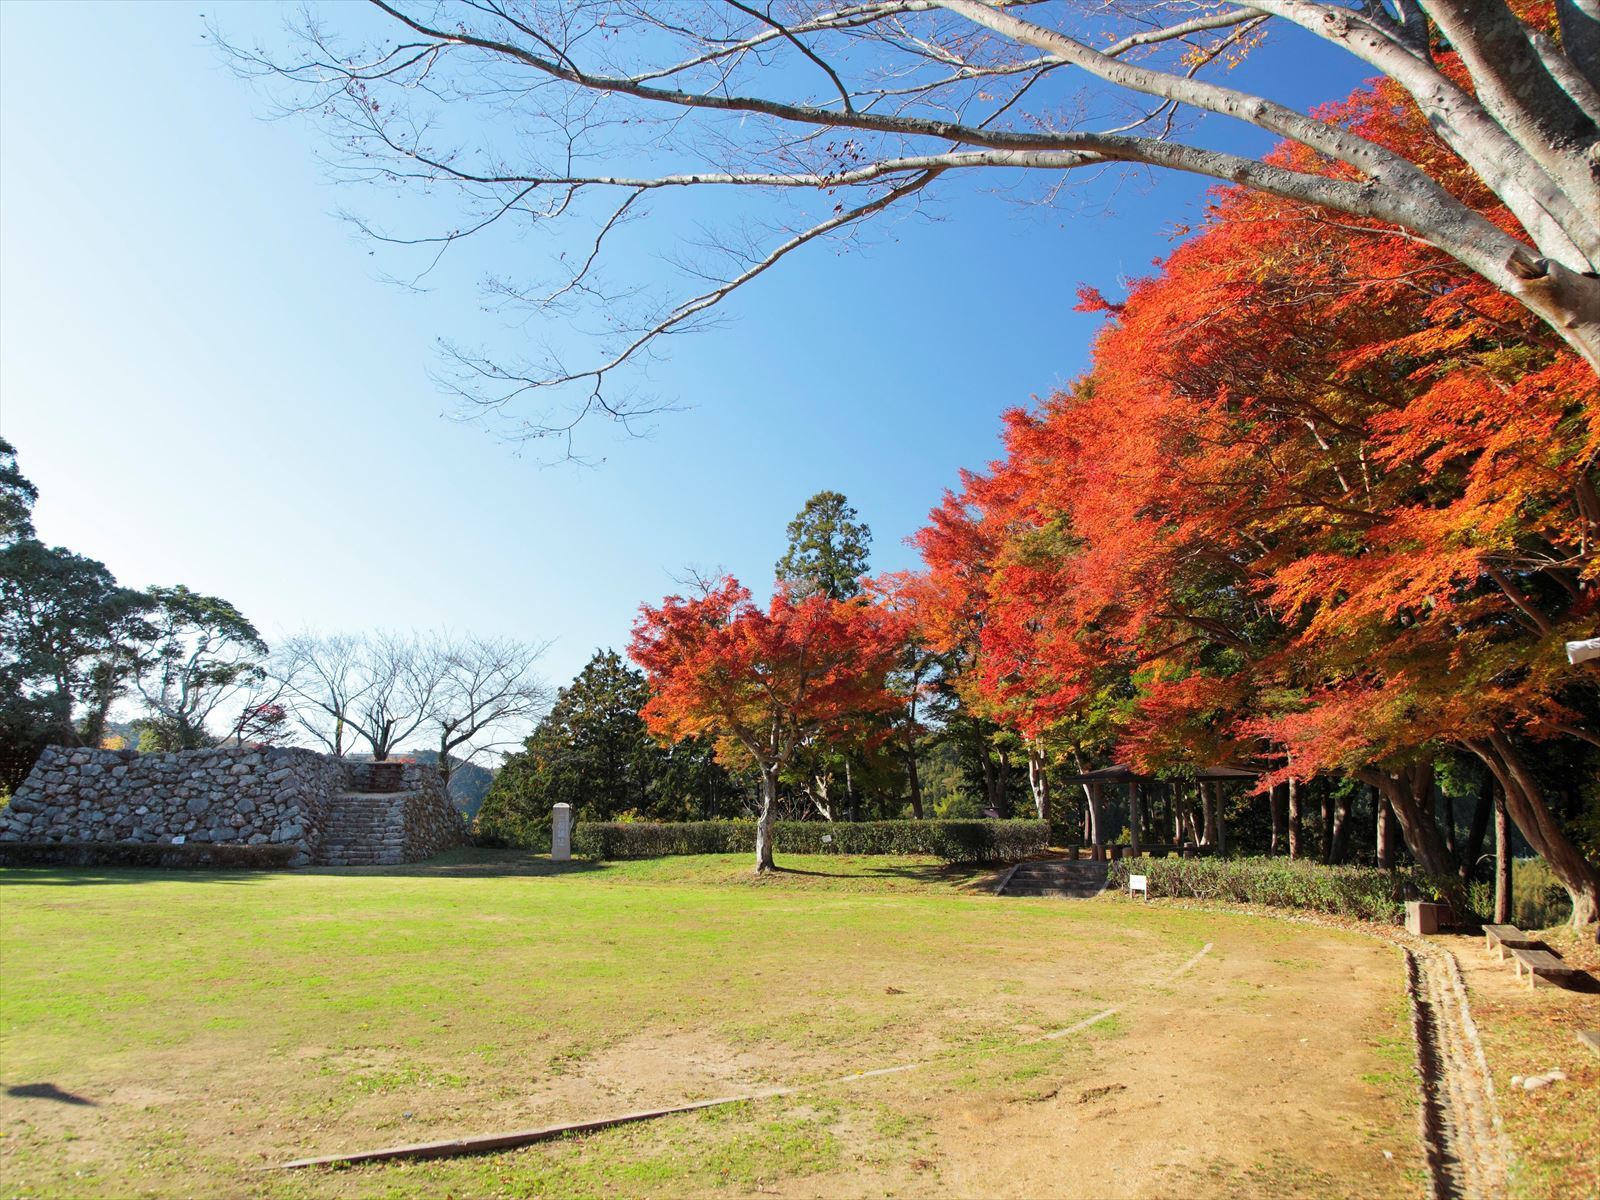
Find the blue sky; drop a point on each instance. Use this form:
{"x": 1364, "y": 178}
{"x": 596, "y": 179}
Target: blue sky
{"x": 206, "y": 375}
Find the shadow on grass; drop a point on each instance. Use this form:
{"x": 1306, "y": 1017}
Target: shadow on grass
{"x": 915, "y": 872}
{"x": 1583, "y": 982}
{"x": 48, "y": 1091}
{"x": 86, "y": 876}
{"x": 465, "y": 863}
{"x": 473, "y": 863}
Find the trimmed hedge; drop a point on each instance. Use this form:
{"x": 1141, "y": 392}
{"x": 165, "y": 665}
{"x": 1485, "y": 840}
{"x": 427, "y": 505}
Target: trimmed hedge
{"x": 144, "y": 854}
{"x": 953, "y": 841}
{"x": 1366, "y": 893}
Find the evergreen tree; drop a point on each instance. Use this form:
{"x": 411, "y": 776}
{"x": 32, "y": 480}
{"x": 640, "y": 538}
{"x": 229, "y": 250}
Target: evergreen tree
{"x": 828, "y": 549}
{"x": 65, "y": 630}
{"x": 593, "y": 752}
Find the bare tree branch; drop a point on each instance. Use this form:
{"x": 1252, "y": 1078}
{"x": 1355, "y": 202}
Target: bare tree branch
{"x": 573, "y": 100}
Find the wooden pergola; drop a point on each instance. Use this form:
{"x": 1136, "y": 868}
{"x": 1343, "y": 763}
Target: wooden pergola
{"x": 1144, "y": 792}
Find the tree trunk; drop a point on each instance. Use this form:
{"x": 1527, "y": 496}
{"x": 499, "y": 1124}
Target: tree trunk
{"x": 1039, "y": 782}
{"x": 1410, "y": 795}
{"x": 1218, "y": 803}
{"x": 1326, "y": 831}
{"x": 1502, "y": 861}
{"x": 1277, "y": 800}
{"x": 1294, "y": 818}
{"x": 1341, "y": 828}
{"x": 1450, "y": 823}
{"x": 1095, "y": 832}
{"x": 1134, "y": 815}
{"x": 764, "y": 822}
{"x": 1473, "y": 850}
{"x": 913, "y": 779}
{"x": 1525, "y": 803}
{"x": 1386, "y": 830}
{"x": 1208, "y": 806}
{"x": 1002, "y": 778}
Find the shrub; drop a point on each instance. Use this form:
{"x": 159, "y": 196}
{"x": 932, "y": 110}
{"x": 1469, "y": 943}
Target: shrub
{"x": 952, "y": 841}
{"x": 1367, "y": 893}
{"x": 144, "y": 854}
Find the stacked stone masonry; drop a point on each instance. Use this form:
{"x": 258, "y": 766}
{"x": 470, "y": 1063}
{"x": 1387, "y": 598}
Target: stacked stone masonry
{"x": 239, "y": 796}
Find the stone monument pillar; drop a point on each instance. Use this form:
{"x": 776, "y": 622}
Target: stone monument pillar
{"x": 561, "y": 833}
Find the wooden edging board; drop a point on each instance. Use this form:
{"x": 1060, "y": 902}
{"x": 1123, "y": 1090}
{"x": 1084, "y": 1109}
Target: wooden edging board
{"x": 999, "y": 888}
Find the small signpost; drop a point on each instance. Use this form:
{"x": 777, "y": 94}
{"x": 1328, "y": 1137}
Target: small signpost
{"x": 561, "y": 833}
{"x": 1138, "y": 883}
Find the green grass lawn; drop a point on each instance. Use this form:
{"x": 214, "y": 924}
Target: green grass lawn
{"x": 217, "y": 1022}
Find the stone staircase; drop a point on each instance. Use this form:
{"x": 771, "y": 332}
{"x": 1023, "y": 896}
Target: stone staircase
{"x": 364, "y": 829}
{"x": 1061, "y": 877}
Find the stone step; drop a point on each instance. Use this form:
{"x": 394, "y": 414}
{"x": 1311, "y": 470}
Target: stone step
{"x": 1063, "y": 878}
{"x": 364, "y": 829}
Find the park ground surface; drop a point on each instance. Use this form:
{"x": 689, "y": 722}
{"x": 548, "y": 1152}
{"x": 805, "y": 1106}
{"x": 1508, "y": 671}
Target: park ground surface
{"x": 1554, "y": 1131}
{"x": 164, "y": 1033}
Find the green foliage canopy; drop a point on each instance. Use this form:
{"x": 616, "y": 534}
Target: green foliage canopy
{"x": 829, "y": 548}
{"x": 592, "y": 751}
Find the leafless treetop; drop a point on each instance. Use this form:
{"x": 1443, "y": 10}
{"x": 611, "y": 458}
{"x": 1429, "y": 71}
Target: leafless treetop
{"x": 582, "y": 116}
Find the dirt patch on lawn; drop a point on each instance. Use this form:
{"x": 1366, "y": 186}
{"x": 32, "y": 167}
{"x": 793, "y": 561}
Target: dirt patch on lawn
{"x": 1256, "y": 1073}
{"x": 1279, "y": 1064}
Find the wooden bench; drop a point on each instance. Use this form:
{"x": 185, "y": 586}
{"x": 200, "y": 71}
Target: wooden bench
{"x": 1506, "y": 938}
{"x": 1542, "y": 966}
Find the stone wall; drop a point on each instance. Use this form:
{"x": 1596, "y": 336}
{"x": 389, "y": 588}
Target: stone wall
{"x": 253, "y": 797}
{"x": 277, "y": 796}
{"x": 432, "y": 823}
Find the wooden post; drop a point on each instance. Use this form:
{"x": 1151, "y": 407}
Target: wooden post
{"x": 1134, "y": 814}
{"x": 1502, "y": 861}
{"x": 1222, "y": 818}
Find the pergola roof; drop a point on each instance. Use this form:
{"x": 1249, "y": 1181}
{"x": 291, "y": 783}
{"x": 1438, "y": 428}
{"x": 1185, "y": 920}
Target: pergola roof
{"x": 1121, "y": 773}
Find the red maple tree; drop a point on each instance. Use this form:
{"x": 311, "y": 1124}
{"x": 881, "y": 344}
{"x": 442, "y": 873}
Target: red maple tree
{"x": 1323, "y": 499}
{"x": 762, "y": 682}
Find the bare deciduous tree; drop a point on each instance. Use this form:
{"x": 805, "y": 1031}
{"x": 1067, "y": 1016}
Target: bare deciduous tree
{"x": 485, "y": 694}
{"x": 588, "y": 111}
{"x": 470, "y": 694}
{"x": 323, "y": 678}
{"x": 378, "y": 688}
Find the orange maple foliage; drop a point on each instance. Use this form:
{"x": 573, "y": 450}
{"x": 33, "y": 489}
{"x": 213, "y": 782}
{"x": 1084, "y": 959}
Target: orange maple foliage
{"x": 1323, "y": 500}
{"x": 762, "y": 682}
